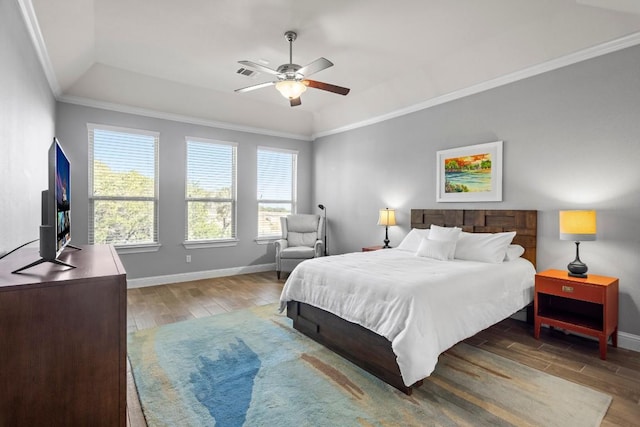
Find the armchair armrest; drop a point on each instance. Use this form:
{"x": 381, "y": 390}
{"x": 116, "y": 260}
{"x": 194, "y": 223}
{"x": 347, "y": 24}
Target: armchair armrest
{"x": 318, "y": 247}
{"x": 281, "y": 244}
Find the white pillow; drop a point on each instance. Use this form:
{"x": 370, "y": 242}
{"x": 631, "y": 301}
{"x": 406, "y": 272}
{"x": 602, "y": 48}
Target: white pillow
{"x": 483, "y": 247}
{"x": 436, "y": 249}
{"x": 513, "y": 252}
{"x": 444, "y": 233}
{"x": 411, "y": 242}
{"x": 447, "y": 234}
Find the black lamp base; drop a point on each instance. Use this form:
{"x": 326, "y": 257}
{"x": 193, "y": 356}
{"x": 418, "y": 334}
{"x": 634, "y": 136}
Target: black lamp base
{"x": 386, "y": 238}
{"x": 582, "y": 276}
{"x": 576, "y": 267}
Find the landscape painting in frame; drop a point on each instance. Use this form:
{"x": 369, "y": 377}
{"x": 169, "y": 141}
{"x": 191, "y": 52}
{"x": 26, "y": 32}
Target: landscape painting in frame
{"x": 470, "y": 174}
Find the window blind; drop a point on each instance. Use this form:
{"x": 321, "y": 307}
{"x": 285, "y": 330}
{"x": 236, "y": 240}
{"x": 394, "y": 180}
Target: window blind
{"x": 123, "y": 185}
{"x": 211, "y": 190}
{"x": 277, "y": 172}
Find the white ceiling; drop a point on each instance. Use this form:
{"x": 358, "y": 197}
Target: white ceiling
{"x": 179, "y": 58}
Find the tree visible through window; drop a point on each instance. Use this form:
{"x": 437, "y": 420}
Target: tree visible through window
{"x": 123, "y": 165}
{"x": 211, "y": 190}
{"x": 276, "y": 189}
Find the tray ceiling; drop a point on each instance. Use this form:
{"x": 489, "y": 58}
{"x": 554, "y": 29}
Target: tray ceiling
{"x": 180, "y": 58}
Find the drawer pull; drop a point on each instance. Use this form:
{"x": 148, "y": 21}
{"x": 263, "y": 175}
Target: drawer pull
{"x": 567, "y": 288}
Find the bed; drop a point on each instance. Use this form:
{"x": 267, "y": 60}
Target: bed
{"x": 393, "y": 354}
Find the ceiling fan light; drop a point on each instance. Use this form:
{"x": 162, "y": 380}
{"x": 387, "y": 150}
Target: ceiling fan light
{"x": 291, "y": 89}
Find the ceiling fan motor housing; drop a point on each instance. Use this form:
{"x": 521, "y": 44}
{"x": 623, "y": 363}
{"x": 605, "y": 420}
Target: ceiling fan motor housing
{"x": 290, "y": 72}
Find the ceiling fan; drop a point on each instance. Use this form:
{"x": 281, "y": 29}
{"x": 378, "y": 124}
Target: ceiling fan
{"x": 292, "y": 78}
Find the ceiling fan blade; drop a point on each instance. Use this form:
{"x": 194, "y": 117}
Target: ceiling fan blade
{"x": 315, "y": 66}
{"x": 254, "y": 87}
{"x": 295, "y": 101}
{"x": 259, "y": 67}
{"x": 326, "y": 86}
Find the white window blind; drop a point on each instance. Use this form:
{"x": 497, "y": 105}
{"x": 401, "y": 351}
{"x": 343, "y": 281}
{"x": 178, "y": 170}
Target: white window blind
{"x": 211, "y": 190}
{"x": 123, "y": 186}
{"x": 277, "y": 172}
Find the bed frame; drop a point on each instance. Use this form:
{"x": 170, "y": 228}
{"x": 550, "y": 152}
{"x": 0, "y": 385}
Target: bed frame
{"x": 373, "y": 352}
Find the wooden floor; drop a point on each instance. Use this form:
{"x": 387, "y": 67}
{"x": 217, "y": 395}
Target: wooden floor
{"x": 566, "y": 356}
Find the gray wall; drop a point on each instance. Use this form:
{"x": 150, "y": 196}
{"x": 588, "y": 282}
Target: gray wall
{"x": 170, "y": 259}
{"x": 571, "y": 141}
{"x": 27, "y": 118}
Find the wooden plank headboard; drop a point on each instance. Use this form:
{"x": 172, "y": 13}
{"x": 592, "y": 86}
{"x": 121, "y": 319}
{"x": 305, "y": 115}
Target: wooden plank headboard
{"x": 523, "y": 222}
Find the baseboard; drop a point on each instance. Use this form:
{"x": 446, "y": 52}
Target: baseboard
{"x": 198, "y": 275}
{"x": 629, "y": 341}
{"x": 625, "y": 340}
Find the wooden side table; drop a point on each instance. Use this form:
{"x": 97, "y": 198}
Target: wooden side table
{"x": 588, "y": 306}
{"x": 371, "y": 248}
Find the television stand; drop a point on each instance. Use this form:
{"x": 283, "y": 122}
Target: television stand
{"x": 42, "y": 260}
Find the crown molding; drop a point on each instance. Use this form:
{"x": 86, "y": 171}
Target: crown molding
{"x": 573, "y": 58}
{"x": 33, "y": 28}
{"x": 31, "y": 21}
{"x": 87, "y": 102}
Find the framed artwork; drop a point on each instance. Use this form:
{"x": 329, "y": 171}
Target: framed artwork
{"x": 470, "y": 174}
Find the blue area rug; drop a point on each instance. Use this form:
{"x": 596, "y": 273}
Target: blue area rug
{"x": 251, "y": 368}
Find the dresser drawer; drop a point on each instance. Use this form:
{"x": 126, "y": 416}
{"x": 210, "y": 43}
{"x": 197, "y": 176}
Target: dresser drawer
{"x": 578, "y": 291}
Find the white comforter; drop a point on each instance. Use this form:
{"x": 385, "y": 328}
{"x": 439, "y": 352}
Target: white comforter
{"x": 423, "y": 306}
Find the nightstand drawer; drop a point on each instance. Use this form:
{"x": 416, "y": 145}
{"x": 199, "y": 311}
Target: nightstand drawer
{"x": 573, "y": 290}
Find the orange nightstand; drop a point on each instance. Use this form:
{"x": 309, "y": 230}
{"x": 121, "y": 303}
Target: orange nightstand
{"x": 588, "y": 306}
{"x": 371, "y": 248}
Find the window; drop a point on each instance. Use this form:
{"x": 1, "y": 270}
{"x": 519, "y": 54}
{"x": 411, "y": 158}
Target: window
{"x": 123, "y": 186}
{"x": 276, "y": 189}
{"x": 211, "y": 190}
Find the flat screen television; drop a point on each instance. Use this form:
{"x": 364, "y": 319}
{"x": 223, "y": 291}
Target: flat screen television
{"x": 55, "y": 231}
{"x": 61, "y": 197}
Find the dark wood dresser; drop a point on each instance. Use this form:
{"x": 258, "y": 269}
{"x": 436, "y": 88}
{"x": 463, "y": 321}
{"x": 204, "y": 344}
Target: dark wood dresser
{"x": 63, "y": 339}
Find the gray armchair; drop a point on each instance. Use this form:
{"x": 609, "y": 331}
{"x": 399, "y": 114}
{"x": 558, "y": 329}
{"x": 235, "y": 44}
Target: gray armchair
{"x": 301, "y": 240}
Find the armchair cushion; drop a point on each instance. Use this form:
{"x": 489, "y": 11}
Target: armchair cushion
{"x": 303, "y": 252}
{"x": 302, "y": 223}
{"x": 302, "y": 239}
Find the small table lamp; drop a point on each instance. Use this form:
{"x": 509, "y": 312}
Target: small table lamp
{"x": 579, "y": 226}
{"x": 387, "y": 217}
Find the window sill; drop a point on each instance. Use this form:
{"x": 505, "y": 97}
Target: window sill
{"x": 210, "y": 244}
{"x": 266, "y": 240}
{"x": 134, "y": 249}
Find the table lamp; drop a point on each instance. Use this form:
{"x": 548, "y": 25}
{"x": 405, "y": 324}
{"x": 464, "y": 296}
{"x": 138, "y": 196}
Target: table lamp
{"x": 387, "y": 217}
{"x": 579, "y": 226}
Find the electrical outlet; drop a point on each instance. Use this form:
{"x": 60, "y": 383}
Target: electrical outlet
{"x": 188, "y": 258}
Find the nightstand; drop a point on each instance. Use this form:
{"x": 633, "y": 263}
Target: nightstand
{"x": 588, "y": 306}
{"x": 371, "y": 248}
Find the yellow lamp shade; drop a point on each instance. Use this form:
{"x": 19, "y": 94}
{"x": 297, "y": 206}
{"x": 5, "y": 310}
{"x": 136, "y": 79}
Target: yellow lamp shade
{"x": 578, "y": 226}
{"x": 387, "y": 217}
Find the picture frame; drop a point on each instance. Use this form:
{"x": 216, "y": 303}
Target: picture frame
{"x": 470, "y": 174}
